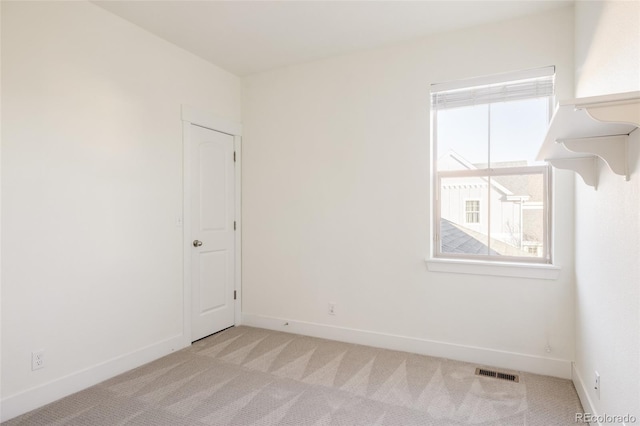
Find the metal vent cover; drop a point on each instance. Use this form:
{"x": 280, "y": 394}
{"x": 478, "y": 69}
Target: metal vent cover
{"x": 497, "y": 375}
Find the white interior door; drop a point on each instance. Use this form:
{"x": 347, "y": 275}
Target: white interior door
{"x": 212, "y": 231}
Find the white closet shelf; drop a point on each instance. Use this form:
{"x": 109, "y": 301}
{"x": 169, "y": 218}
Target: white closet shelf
{"x": 585, "y": 129}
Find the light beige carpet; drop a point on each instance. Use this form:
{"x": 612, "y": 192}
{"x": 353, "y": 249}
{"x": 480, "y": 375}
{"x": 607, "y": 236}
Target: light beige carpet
{"x": 250, "y": 376}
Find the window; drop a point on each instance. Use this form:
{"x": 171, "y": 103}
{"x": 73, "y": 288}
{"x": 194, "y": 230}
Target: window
{"x": 491, "y": 198}
{"x": 472, "y": 211}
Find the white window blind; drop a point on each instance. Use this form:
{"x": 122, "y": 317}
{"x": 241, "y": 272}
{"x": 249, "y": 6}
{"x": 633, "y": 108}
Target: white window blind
{"x": 520, "y": 86}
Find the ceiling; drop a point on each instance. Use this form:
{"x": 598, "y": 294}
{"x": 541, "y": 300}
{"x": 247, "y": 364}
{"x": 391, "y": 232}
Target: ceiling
{"x": 246, "y": 37}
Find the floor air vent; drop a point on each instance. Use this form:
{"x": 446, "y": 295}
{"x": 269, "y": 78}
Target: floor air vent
{"x": 497, "y": 375}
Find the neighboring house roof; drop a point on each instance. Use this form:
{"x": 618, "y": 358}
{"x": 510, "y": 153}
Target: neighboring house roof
{"x": 457, "y": 239}
{"x": 526, "y": 187}
{"x": 469, "y": 166}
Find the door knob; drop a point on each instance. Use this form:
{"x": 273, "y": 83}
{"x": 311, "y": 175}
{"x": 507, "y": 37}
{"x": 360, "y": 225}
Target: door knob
{"x": 197, "y": 243}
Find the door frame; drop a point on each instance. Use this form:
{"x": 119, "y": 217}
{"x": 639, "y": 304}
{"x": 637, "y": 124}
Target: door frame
{"x": 206, "y": 119}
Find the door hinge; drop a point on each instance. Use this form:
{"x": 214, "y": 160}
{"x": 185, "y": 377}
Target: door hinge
{"x": 234, "y": 225}
{"x": 234, "y": 156}
{"x": 234, "y": 295}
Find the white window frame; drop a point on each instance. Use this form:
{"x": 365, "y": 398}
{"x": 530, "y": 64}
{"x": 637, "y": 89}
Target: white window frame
{"x": 529, "y": 267}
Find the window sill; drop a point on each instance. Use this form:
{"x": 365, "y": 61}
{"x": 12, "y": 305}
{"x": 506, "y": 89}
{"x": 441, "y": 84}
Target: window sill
{"x": 500, "y": 269}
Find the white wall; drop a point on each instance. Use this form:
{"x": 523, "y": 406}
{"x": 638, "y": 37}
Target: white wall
{"x": 91, "y": 188}
{"x": 607, "y": 49}
{"x": 336, "y": 202}
{"x": 608, "y": 221}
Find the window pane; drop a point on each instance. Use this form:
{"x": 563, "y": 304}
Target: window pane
{"x": 462, "y": 199}
{"x": 517, "y": 215}
{"x": 472, "y": 211}
{"x": 499, "y": 216}
{"x": 517, "y": 128}
{"x": 492, "y": 192}
{"x": 462, "y": 137}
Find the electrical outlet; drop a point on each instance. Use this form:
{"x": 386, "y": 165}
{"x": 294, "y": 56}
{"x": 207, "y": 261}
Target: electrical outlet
{"x": 332, "y": 308}
{"x": 597, "y": 384}
{"x": 37, "y": 360}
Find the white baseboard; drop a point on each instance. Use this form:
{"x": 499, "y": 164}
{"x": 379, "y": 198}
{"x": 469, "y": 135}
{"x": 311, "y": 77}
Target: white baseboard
{"x": 483, "y": 356}
{"x": 583, "y": 393}
{"x": 30, "y": 399}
